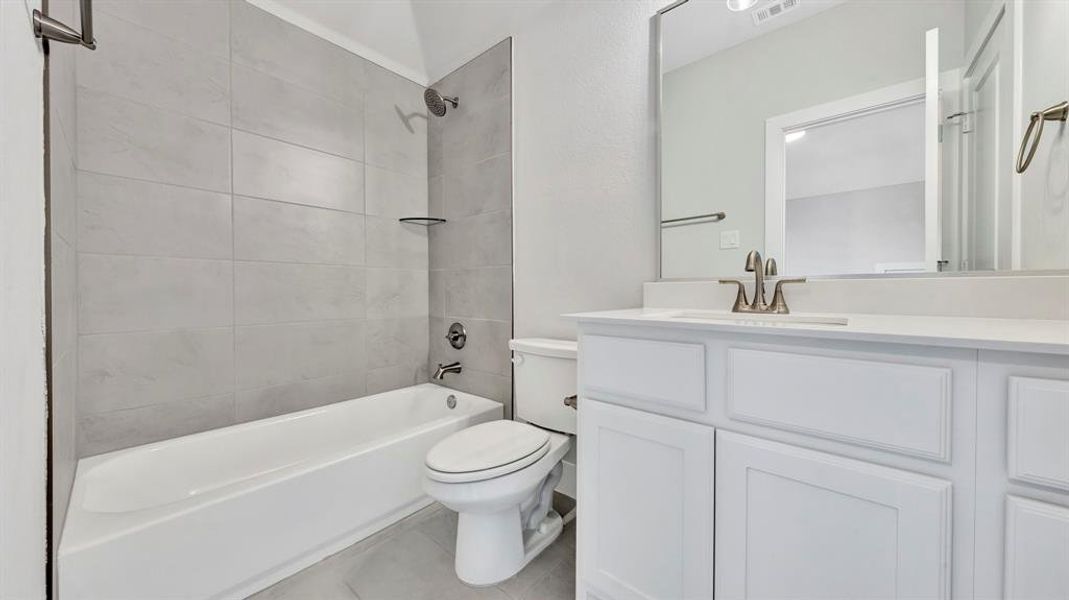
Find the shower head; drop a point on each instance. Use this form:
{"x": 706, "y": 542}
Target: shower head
{"x": 436, "y": 102}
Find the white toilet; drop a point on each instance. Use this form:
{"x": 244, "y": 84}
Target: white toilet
{"x": 499, "y": 476}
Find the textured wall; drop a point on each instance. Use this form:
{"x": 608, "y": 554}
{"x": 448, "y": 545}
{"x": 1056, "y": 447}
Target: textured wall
{"x": 239, "y": 254}
{"x": 63, "y": 281}
{"x": 584, "y": 163}
{"x": 470, "y": 164}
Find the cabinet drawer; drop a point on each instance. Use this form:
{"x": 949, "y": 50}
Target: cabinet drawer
{"x": 876, "y": 402}
{"x": 1038, "y": 438}
{"x": 645, "y": 372}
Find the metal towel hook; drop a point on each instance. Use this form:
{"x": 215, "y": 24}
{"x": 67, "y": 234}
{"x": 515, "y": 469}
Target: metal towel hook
{"x": 1058, "y": 112}
{"x": 50, "y": 29}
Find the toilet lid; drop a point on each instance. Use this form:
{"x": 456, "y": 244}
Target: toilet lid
{"x": 488, "y": 446}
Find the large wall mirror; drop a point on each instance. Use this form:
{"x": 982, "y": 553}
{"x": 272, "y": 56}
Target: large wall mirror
{"x": 862, "y": 137}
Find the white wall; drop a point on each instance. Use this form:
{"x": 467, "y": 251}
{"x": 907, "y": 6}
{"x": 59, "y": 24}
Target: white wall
{"x": 23, "y": 401}
{"x": 856, "y": 231}
{"x": 1044, "y": 229}
{"x": 584, "y": 182}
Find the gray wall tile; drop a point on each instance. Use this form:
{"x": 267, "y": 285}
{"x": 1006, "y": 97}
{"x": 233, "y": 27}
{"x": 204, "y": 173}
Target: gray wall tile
{"x": 267, "y": 168}
{"x": 133, "y": 293}
{"x": 134, "y": 426}
{"x": 479, "y": 188}
{"x": 62, "y": 240}
{"x": 276, "y": 231}
{"x": 470, "y": 163}
{"x": 384, "y": 379}
{"x": 126, "y": 216}
{"x": 203, "y": 24}
{"x": 283, "y": 292}
{"x": 63, "y": 193}
{"x": 481, "y": 383}
{"x": 171, "y": 258}
{"x": 476, "y": 135}
{"x": 435, "y": 149}
{"x": 483, "y": 240}
{"x": 141, "y": 65}
{"x": 64, "y": 437}
{"x": 264, "y": 42}
{"x": 484, "y": 293}
{"x": 62, "y": 80}
{"x": 64, "y": 297}
{"x": 275, "y": 108}
{"x": 120, "y": 137}
{"x": 299, "y": 395}
{"x": 396, "y": 131}
{"x": 485, "y": 79}
{"x": 436, "y": 196}
{"x": 396, "y": 293}
{"x": 270, "y": 355}
{"x": 392, "y": 342}
{"x": 391, "y": 243}
{"x": 393, "y": 194}
{"x": 487, "y": 347}
{"x": 127, "y": 370}
{"x": 436, "y": 300}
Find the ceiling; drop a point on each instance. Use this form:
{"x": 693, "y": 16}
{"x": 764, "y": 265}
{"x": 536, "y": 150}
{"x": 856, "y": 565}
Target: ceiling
{"x": 699, "y": 28}
{"x": 424, "y": 40}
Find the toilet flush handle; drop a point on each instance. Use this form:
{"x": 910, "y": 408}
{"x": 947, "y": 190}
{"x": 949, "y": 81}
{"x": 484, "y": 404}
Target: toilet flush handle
{"x": 572, "y": 401}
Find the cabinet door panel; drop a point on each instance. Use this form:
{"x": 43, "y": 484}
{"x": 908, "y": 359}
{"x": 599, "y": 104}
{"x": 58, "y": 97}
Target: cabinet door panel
{"x": 1037, "y": 550}
{"x": 794, "y": 523}
{"x": 646, "y": 500}
{"x": 1039, "y": 431}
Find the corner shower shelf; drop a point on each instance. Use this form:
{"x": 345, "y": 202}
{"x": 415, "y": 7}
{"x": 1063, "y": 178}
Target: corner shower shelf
{"x": 427, "y": 221}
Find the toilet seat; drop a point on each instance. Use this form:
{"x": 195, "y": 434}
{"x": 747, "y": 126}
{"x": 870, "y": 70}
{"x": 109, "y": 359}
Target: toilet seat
{"x": 486, "y": 451}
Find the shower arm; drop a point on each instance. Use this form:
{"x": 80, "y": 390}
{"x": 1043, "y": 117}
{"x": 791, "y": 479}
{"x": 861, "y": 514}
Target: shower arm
{"x": 45, "y": 27}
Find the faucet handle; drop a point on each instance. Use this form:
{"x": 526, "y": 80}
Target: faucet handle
{"x": 779, "y": 303}
{"x": 740, "y": 298}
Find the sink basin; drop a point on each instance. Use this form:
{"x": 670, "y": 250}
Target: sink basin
{"x": 761, "y": 319}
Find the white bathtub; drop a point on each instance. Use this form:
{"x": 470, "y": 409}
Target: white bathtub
{"x": 224, "y": 513}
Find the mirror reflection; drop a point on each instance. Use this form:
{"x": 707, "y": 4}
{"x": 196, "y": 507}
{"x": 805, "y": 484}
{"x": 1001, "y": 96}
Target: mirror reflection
{"x": 850, "y": 137}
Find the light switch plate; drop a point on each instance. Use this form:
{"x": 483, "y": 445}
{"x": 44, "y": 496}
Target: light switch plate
{"x": 729, "y": 239}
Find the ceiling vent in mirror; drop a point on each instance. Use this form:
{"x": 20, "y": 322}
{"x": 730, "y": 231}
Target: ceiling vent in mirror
{"x": 773, "y": 10}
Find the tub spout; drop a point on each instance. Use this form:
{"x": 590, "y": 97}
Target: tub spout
{"x": 443, "y": 369}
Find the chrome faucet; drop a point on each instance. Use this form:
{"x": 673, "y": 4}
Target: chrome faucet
{"x": 761, "y": 269}
{"x": 443, "y": 369}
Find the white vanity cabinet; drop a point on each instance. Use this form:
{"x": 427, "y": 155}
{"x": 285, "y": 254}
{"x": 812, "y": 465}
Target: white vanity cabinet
{"x": 760, "y": 465}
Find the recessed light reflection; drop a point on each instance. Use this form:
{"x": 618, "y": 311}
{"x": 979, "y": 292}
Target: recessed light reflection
{"x": 794, "y": 136}
{"x": 738, "y": 5}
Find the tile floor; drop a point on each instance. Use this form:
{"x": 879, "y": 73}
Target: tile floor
{"x": 413, "y": 560}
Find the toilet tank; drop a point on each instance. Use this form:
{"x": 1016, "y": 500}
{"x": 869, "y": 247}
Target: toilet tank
{"x": 544, "y": 376}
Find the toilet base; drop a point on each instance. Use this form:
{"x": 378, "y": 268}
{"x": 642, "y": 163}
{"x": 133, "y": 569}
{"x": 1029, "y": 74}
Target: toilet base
{"x": 493, "y": 547}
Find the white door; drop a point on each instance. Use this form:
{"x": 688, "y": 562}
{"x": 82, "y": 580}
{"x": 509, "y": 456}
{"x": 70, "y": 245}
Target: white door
{"x": 645, "y": 505}
{"x": 1037, "y": 550}
{"x": 795, "y": 523}
{"x": 987, "y": 195}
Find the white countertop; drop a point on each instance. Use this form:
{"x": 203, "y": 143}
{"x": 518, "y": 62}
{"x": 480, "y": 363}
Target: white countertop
{"x": 1015, "y": 335}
